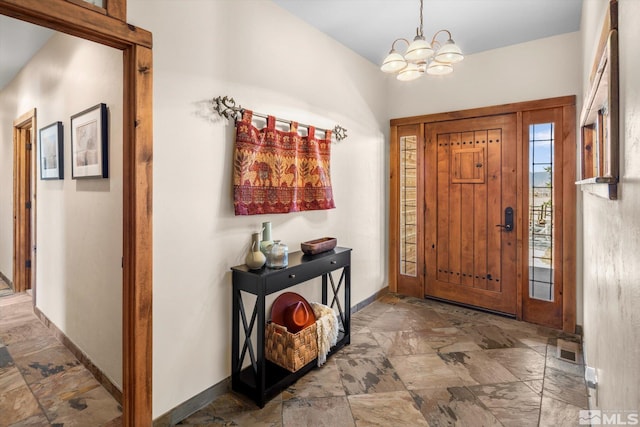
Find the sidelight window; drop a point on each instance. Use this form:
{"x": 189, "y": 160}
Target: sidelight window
{"x": 541, "y": 145}
{"x": 408, "y": 205}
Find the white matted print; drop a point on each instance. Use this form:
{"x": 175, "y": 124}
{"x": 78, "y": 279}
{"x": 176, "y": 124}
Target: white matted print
{"x": 51, "y": 158}
{"x": 89, "y": 143}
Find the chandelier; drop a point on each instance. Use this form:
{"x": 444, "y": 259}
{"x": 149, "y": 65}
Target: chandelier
{"x": 433, "y": 57}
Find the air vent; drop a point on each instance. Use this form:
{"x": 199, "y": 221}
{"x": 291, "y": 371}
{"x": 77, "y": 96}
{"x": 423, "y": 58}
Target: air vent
{"x": 568, "y": 351}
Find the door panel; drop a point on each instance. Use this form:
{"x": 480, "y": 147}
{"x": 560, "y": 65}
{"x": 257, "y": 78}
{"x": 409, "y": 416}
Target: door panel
{"x": 471, "y": 175}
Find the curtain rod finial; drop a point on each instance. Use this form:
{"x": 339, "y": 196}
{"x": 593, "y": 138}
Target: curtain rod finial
{"x": 340, "y": 133}
{"x": 225, "y": 106}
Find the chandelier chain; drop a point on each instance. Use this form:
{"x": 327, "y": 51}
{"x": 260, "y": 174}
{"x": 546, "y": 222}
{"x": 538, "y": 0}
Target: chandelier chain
{"x": 420, "y": 30}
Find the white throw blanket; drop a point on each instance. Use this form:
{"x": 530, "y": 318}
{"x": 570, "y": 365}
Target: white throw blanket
{"x": 327, "y": 327}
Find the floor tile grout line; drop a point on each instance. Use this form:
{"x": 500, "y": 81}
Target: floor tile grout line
{"x": 42, "y": 409}
{"x": 544, "y": 378}
{"x": 412, "y": 395}
{"x": 344, "y": 388}
{"x": 346, "y": 396}
{"x": 486, "y": 407}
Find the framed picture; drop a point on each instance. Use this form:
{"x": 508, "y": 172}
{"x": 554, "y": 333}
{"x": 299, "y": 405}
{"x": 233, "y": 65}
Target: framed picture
{"x": 51, "y": 159}
{"x": 89, "y": 143}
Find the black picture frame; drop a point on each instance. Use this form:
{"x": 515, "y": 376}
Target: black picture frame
{"x": 90, "y": 143}
{"x": 51, "y": 152}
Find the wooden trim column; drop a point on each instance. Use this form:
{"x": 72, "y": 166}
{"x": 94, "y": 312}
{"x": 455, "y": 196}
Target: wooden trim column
{"x": 394, "y": 203}
{"x": 569, "y": 262}
{"x": 137, "y": 227}
{"x": 521, "y": 217}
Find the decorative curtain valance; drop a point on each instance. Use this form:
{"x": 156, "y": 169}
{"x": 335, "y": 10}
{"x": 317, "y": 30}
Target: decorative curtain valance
{"x": 278, "y": 171}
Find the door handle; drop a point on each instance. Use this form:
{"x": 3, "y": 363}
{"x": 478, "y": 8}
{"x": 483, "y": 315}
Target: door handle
{"x": 508, "y": 220}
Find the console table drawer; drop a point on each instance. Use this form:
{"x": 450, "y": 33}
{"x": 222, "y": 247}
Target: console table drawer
{"x": 336, "y": 261}
{"x": 279, "y": 280}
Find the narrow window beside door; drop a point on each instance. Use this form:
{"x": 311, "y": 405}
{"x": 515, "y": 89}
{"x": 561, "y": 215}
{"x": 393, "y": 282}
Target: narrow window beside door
{"x": 408, "y": 206}
{"x": 541, "y": 211}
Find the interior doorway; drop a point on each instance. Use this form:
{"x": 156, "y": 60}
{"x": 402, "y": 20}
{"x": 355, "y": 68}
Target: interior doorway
{"x": 23, "y": 201}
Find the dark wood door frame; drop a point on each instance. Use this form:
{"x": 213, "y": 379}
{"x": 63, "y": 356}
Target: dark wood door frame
{"x": 567, "y": 104}
{"x": 24, "y": 128}
{"x": 108, "y": 26}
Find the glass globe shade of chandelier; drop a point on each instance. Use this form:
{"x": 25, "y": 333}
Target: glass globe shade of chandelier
{"x": 421, "y": 56}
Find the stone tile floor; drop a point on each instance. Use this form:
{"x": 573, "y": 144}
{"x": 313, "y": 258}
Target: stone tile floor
{"x": 417, "y": 362}
{"x": 411, "y": 362}
{"x": 5, "y": 289}
{"x": 41, "y": 382}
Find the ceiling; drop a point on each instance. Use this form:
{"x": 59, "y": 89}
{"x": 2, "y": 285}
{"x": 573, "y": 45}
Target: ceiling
{"x": 368, "y": 27}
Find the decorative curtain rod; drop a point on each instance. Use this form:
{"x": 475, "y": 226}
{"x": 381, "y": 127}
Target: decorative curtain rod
{"x": 226, "y": 107}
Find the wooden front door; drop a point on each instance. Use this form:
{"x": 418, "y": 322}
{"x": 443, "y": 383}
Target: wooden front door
{"x": 471, "y": 212}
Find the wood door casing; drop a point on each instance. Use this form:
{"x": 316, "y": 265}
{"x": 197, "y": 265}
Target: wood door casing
{"x": 23, "y": 142}
{"x": 470, "y": 180}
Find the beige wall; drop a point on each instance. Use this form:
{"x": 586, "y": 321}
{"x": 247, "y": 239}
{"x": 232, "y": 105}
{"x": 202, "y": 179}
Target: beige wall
{"x": 271, "y": 62}
{"x": 612, "y": 231}
{"x": 79, "y": 222}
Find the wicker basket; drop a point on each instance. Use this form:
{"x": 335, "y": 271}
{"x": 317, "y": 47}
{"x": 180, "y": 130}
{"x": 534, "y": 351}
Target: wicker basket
{"x": 290, "y": 351}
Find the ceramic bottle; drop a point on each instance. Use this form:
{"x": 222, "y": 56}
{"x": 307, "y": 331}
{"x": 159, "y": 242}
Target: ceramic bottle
{"x": 255, "y": 259}
{"x": 265, "y": 244}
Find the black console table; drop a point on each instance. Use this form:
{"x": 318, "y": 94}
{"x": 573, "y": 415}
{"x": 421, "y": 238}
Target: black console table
{"x": 262, "y": 380}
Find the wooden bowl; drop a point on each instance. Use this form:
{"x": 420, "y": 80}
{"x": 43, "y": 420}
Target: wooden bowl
{"x": 317, "y": 246}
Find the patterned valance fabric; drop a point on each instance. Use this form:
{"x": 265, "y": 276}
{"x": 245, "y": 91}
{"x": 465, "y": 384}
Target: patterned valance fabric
{"x": 277, "y": 171}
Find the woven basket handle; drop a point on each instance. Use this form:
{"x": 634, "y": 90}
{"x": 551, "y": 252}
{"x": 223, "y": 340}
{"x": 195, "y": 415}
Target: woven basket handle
{"x": 279, "y": 329}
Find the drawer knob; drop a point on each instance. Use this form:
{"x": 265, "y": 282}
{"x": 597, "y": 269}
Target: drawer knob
{"x": 292, "y": 276}
{"x": 334, "y": 262}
